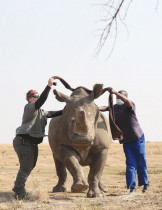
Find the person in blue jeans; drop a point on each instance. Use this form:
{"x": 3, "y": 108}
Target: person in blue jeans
{"x": 133, "y": 140}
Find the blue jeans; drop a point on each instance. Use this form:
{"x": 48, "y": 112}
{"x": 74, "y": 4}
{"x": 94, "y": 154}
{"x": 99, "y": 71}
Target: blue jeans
{"x": 135, "y": 154}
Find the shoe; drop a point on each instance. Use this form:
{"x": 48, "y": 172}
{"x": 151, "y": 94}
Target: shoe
{"x": 145, "y": 188}
{"x": 20, "y": 193}
{"x": 20, "y": 196}
{"x": 132, "y": 190}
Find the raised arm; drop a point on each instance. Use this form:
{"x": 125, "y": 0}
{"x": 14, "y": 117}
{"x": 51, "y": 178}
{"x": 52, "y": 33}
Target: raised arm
{"x": 44, "y": 95}
{"x": 121, "y": 95}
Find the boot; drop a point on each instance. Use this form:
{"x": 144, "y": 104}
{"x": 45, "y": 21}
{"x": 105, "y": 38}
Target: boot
{"x": 20, "y": 193}
{"x": 132, "y": 189}
{"x": 145, "y": 188}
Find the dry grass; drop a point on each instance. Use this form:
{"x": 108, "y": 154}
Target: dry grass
{"x": 43, "y": 178}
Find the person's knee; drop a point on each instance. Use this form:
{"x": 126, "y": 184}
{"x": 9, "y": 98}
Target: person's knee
{"x": 26, "y": 170}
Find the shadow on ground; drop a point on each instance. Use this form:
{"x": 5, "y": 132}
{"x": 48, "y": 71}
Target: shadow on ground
{"x": 6, "y": 196}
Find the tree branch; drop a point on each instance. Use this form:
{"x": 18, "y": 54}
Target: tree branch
{"x": 113, "y": 15}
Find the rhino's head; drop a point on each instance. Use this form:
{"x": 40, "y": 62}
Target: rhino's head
{"x": 80, "y": 115}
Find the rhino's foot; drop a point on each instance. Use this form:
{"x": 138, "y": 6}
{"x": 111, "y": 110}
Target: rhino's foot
{"x": 59, "y": 189}
{"x": 79, "y": 187}
{"x": 102, "y": 187}
{"x": 95, "y": 193}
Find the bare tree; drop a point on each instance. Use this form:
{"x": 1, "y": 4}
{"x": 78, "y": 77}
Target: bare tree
{"x": 113, "y": 8}
{"x": 116, "y": 11}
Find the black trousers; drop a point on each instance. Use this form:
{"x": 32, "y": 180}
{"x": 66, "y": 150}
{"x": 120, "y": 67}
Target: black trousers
{"x": 27, "y": 153}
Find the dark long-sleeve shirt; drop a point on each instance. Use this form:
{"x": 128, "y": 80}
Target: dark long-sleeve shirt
{"x": 42, "y": 98}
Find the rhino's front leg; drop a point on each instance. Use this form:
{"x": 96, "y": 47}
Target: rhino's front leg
{"x": 71, "y": 161}
{"x": 96, "y": 169}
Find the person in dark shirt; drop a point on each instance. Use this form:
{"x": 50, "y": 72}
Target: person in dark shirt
{"x": 30, "y": 134}
{"x": 133, "y": 140}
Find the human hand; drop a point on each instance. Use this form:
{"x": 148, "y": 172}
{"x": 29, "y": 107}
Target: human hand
{"x": 51, "y": 82}
{"x": 111, "y": 90}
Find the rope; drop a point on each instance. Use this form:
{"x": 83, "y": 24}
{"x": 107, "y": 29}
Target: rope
{"x": 115, "y": 131}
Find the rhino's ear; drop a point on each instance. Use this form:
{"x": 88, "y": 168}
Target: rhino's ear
{"x": 97, "y": 90}
{"x": 60, "y": 96}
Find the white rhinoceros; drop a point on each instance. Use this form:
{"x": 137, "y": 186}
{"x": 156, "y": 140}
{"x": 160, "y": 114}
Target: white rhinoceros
{"x": 80, "y": 137}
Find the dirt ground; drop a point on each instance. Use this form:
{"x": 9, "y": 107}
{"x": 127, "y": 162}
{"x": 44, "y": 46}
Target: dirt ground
{"x": 43, "y": 178}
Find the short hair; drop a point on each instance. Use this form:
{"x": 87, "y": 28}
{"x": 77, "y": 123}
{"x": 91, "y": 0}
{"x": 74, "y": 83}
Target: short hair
{"x": 123, "y": 92}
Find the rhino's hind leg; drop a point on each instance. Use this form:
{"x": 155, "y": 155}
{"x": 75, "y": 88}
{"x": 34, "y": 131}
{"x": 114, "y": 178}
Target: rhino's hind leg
{"x": 59, "y": 188}
{"x": 62, "y": 175}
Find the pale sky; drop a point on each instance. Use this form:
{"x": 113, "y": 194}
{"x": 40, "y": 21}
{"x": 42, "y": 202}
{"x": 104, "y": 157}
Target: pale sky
{"x": 43, "y": 38}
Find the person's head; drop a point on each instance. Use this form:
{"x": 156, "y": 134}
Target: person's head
{"x": 123, "y": 92}
{"x": 32, "y": 96}
{"x": 118, "y": 100}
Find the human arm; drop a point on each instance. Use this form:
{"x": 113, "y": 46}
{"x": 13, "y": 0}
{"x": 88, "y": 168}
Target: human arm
{"x": 44, "y": 95}
{"x": 54, "y": 113}
{"x": 104, "y": 108}
{"x": 121, "y": 96}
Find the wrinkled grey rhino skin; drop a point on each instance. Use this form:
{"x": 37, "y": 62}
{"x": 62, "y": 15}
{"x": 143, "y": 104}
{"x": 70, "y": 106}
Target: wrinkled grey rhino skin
{"x": 80, "y": 137}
